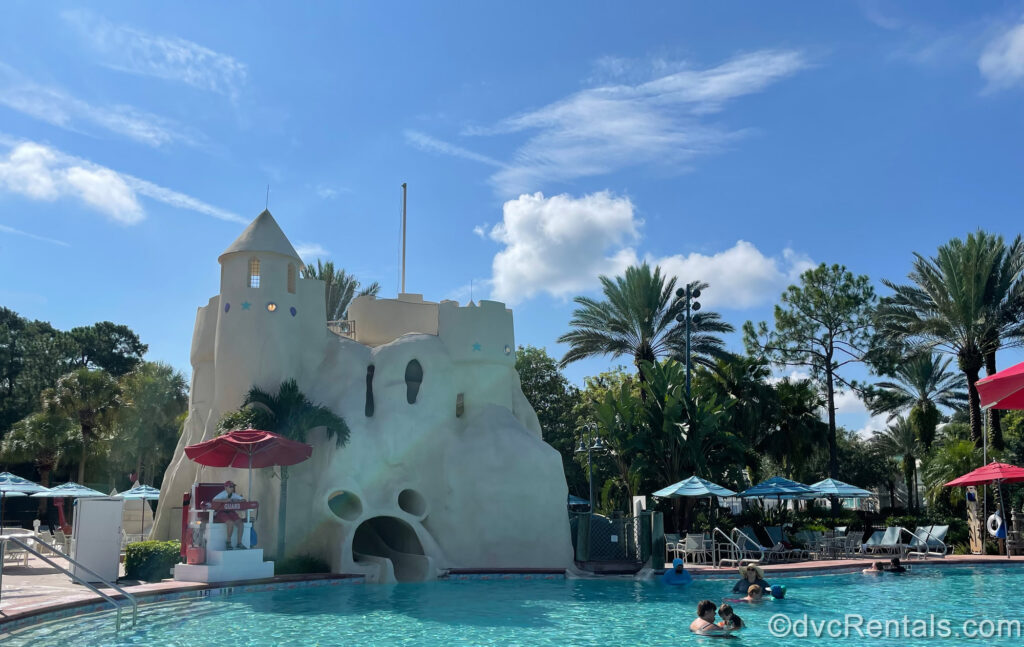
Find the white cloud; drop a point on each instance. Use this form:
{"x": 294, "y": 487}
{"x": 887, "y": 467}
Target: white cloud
{"x": 848, "y": 403}
{"x": 309, "y": 252}
{"x": 739, "y": 277}
{"x": 39, "y": 172}
{"x": 481, "y": 230}
{"x": 17, "y": 232}
{"x": 559, "y": 245}
{"x": 1002, "y": 61}
{"x": 127, "y": 49}
{"x": 56, "y": 107}
{"x": 603, "y": 129}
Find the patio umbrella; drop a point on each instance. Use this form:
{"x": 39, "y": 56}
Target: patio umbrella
{"x": 143, "y": 493}
{"x": 575, "y": 500}
{"x": 1003, "y": 390}
{"x": 695, "y": 487}
{"x": 832, "y": 487}
{"x": 69, "y": 490}
{"x": 249, "y": 448}
{"x": 779, "y": 487}
{"x": 15, "y": 486}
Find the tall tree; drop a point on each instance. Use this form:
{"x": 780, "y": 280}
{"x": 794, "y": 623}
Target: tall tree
{"x": 107, "y": 346}
{"x": 146, "y": 430}
{"x": 898, "y": 440}
{"x": 965, "y": 301}
{"x": 921, "y": 384}
{"x": 553, "y": 398}
{"x": 90, "y": 398}
{"x": 637, "y": 319}
{"x": 291, "y": 414}
{"x": 46, "y": 439}
{"x": 340, "y": 288}
{"x": 951, "y": 459}
{"x": 824, "y": 324}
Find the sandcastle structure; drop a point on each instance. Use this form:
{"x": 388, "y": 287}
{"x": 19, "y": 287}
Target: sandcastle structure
{"x": 445, "y": 466}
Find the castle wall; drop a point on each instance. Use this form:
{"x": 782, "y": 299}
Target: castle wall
{"x": 379, "y": 321}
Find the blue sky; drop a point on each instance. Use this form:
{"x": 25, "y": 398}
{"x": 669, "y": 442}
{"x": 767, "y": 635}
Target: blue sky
{"x": 543, "y": 143}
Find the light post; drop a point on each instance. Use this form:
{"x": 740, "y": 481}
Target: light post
{"x": 689, "y": 298}
{"x": 590, "y": 442}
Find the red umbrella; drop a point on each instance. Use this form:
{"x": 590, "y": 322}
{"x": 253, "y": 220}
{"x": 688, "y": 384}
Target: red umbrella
{"x": 249, "y": 447}
{"x": 991, "y": 473}
{"x": 1003, "y": 390}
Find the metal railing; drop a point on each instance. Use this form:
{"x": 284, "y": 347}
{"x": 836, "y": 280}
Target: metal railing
{"x": 925, "y": 544}
{"x": 732, "y": 550}
{"x": 24, "y": 545}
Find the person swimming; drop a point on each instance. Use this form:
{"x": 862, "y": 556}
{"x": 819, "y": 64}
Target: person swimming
{"x": 729, "y": 619}
{"x": 895, "y": 566}
{"x": 876, "y": 568}
{"x": 704, "y": 624}
{"x": 754, "y": 594}
{"x": 751, "y": 574}
{"x": 677, "y": 575}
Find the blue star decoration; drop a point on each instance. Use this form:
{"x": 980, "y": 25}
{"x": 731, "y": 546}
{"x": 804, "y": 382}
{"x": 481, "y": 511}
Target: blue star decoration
{"x": 476, "y": 346}
{"x": 245, "y": 305}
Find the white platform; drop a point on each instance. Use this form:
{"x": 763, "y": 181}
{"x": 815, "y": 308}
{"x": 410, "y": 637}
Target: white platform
{"x": 225, "y": 565}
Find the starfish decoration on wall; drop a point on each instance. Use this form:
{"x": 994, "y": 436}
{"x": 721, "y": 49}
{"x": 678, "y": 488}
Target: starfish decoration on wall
{"x": 245, "y": 305}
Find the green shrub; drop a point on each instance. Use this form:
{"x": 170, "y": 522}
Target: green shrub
{"x": 151, "y": 560}
{"x": 301, "y": 564}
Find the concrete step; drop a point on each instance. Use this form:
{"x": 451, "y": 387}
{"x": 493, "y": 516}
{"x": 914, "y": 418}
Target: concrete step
{"x": 235, "y": 557}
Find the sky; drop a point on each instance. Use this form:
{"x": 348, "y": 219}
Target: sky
{"x": 544, "y": 145}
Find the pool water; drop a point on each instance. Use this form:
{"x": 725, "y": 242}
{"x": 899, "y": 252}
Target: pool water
{"x": 557, "y": 612}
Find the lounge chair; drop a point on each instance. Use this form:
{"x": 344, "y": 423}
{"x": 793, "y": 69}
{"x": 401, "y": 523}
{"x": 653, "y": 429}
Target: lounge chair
{"x": 890, "y": 543}
{"x": 928, "y": 541}
{"x": 777, "y": 536}
{"x": 673, "y": 547}
{"x": 749, "y": 542}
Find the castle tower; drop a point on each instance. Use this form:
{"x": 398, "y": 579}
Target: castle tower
{"x": 269, "y": 318}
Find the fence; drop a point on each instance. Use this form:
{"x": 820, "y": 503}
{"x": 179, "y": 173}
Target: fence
{"x": 597, "y": 538}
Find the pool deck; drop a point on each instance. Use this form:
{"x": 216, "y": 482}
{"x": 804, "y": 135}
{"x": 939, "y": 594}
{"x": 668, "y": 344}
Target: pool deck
{"x": 40, "y": 590}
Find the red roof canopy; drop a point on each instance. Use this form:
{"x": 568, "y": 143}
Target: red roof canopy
{"x": 1004, "y": 390}
{"x": 249, "y": 448}
{"x": 990, "y": 474}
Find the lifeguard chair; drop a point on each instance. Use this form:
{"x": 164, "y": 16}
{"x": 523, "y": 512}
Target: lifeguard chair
{"x": 203, "y": 540}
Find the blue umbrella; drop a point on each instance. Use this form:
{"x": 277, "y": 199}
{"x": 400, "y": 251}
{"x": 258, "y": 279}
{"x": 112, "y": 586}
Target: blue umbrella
{"x": 694, "y": 487}
{"x": 14, "y": 486}
{"x": 70, "y": 490}
{"x": 145, "y": 493}
{"x": 832, "y": 487}
{"x": 780, "y": 488}
{"x": 575, "y": 500}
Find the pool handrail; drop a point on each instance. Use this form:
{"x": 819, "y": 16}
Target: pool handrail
{"x": 128, "y": 596}
{"x": 928, "y": 536}
{"x": 749, "y": 541}
{"x": 736, "y": 551}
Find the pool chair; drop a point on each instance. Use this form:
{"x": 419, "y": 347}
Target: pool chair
{"x": 747, "y": 540}
{"x": 928, "y": 541}
{"x": 673, "y": 547}
{"x": 696, "y": 549}
{"x": 891, "y": 543}
{"x": 777, "y": 536}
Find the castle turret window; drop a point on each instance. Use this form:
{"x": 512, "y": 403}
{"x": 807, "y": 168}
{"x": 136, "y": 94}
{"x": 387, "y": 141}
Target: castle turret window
{"x": 413, "y": 380}
{"x": 368, "y": 409}
{"x": 291, "y": 278}
{"x": 254, "y": 272}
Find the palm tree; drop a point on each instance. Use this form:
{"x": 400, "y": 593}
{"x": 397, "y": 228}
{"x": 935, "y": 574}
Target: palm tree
{"x": 291, "y": 414}
{"x": 950, "y": 460}
{"x": 90, "y": 398}
{"x": 965, "y": 301}
{"x": 798, "y": 431}
{"x": 899, "y": 441}
{"x": 638, "y": 319}
{"x": 43, "y": 438}
{"x": 341, "y": 287}
{"x": 921, "y": 385}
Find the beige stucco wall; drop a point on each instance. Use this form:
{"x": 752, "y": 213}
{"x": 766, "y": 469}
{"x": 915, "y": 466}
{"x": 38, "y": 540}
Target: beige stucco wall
{"x": 488, "y": 491}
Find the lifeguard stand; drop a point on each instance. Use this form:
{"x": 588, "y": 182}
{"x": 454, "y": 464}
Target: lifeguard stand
{"x": 219, "y": 565}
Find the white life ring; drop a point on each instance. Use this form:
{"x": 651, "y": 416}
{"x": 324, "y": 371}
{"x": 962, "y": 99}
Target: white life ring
{"x": 995, "y": 522}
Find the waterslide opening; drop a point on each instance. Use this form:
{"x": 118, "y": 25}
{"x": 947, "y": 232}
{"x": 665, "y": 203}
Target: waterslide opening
{"x": 391, "y": 544}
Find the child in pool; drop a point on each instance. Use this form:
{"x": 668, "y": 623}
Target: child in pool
{"x": 729, "y": 619}
{"x": 895, "y": 566}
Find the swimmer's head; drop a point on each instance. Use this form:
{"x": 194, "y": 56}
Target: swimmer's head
{"x": 677, "y": 564}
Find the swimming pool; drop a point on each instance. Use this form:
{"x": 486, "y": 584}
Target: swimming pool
{"x": 555, "y": 612}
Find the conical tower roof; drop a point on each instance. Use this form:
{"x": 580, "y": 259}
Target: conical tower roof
{"x": 262, "y": 235}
